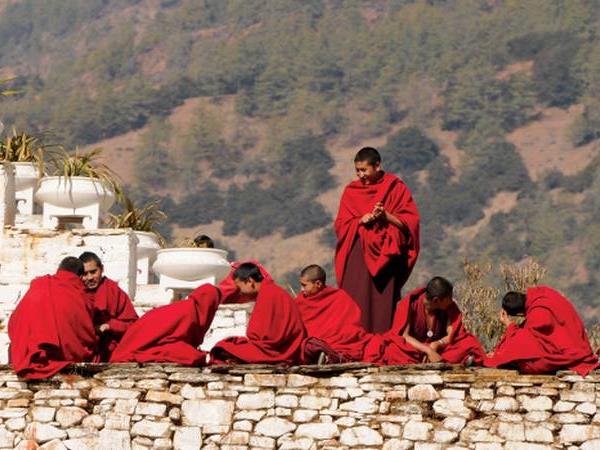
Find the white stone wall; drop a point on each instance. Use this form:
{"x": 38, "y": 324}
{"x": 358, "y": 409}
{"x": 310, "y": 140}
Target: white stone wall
{"x": 163, "y": 407}
{"x": 7, "y": 195}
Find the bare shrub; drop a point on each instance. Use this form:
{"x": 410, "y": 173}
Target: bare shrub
{"x": 520, "y": 276}
{"x": 478, "y": 301}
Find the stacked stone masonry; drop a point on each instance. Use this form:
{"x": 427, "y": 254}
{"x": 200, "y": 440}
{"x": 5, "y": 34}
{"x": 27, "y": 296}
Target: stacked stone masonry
{"x": 258, "y": 407}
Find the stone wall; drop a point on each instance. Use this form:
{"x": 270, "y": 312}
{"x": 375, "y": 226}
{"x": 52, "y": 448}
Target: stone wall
{"x": 350, "y": 406}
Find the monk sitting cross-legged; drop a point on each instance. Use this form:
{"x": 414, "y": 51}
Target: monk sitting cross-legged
{"x": 171, "y": 333}
{"x": 113, "y": 310}
{"x": 551, "y": 338}
{"x": 52, "y": 324}
{"x": 428, "y": 328}
{"x": 332, "y": 316}
{"x": 275, "y": 332}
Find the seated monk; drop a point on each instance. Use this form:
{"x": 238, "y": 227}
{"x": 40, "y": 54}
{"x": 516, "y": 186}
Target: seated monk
{"x": 331, "y": 315}
{"x": 275, "y": 332}
{"x": 229, "y": 291}
{"x": 551, "y": 338}
{"x": 428, "y": 327}
{"x": 171, "y": 333}
{"x": 52, "y": 325}
{"x": 113, "y": 310}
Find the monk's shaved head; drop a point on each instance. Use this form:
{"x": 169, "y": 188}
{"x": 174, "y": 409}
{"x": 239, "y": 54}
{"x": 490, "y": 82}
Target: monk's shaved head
{"x": 314, "y": 273}
{"x": 439, "y": 287}
{"x": 71, "y": 264}
{"x": 368, "y": 155}
{"x": 247, "y": 271}
{"x": 514, "y": 303}
{"x": 204, "y": 241}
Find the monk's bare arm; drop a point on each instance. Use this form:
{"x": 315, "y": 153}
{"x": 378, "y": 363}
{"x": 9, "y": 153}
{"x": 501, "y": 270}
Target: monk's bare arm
{"x": 415, "y": 342}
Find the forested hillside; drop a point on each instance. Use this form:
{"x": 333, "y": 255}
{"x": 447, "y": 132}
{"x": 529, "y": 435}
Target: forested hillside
{"x": 243, "y": 116}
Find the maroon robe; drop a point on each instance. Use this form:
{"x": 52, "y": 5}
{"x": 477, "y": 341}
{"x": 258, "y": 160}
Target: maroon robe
{"x": 275, "y": 332}
{"x": 551, "y": 338}
{"x": 411, "y": 312}
{"x": 332, "y": 316}
{"x": 230, "y": 292}
{"x": 373, "y": 261}
{"x": 171, "y": 333}
{"x": 51, "y": 326}
{"x": 114, "y": 307}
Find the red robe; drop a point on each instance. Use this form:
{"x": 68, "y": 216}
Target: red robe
{"x": 51, "y": 326}
{"x": 113, "y": 306}
{"x": 460, "y": 343}
{"x": 227, "y": 287}
{"x": 380, "y": 241}
{"x": 333, "y": 316}
{"x": 551, "y": 338}
{"x": 275, "y": 332}
{"x": 171, "y": 333}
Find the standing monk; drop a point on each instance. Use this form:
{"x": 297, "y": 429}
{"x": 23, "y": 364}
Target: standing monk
{"x": 275, "y": 332}
{"x": 52, "y": 326}
{"x": 551, "y": 338}
{"x": 377, "y": 228}
{"x": 113, "y": 310}
{"x": 428, "y": 328}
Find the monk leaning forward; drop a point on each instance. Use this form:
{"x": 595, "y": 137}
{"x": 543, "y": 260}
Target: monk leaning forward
{"x": 377, "y": 228}
{"x": 171, "y": 333}
{"x": 275, "y": 332}
{"x": 551, "y": 338}
{"x": 52, "y": 325}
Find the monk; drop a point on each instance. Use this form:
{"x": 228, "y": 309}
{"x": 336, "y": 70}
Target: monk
{"x": 52, "y": 325}
{"x": 428, "y": 327}
{"x": 275, "y": 332}
{"x": 113, "y": 310}
{"x": 227, "y": 287}
{"x": 332, "y": 316}
{"x": 551, "y": 338}
{"x": 171, "y": 333}
{"x": 377, "y": 228}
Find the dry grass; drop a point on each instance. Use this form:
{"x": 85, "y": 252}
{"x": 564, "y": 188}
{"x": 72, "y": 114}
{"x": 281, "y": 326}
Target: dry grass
{"x": 479, "y": 298}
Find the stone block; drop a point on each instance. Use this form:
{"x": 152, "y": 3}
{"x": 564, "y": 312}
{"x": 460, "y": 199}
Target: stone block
{"x": 304, "y": 415}
{"x": 417, "y": 431}
{"x": 265, "y": 379}
{"x": 362, "y": 405}
{"x": 361, "y": 436}
{"x": 260, "y": 400}
{"x": 69, "y": 416}
{"x": 100, "y": 393}
{"x": 318, "y": 430}
{"x": 43, "y": 432}
{"x": 151, "y": 429}
{"x": 511, "y": 431}
{"x": 164, "y": 397}
{"x": 296, "y": 380}
{"x": 114, "y": 440}
{"x": 207, "y": 412}
{"x": 537, "y": 403}
{"x": 452, "y": 407}
{"x": 389, "y": 429}
{"x": 538, "y": 433}
{"x": 274, "y": 427}
{"x": 423, "y": 393}
{"x": 43, "y": 414}
{"x": 151, "y": 409}
{"x": 7, "y": 438}
{"x": 314, "y": 402}
{"x": 397, "y": 444}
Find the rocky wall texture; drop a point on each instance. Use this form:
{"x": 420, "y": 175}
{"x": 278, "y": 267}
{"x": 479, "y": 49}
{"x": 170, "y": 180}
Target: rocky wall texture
{"x": 347, "y": 406}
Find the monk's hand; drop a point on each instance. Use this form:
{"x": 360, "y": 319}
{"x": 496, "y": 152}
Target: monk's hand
{"x": 103, "y": 328}
{"x": 433, "y": 356}
{"x": 378, "y": 211}
{"x": 435, "y": 346}
{"x": 505, "y": 319}
{"x": 367, "y": 219}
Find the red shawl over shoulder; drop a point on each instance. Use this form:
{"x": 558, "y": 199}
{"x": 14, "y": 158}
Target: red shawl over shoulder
{"x": 380, "y": 241}
{"x": 113, "y": 306}
{"x": 334, "y": 317}
{"x": 230, "y": 293}
{"x": 551, "y": 338}
{"x": 275, "y": 332}
{"x": 461, "y": 343}
{"x": 171, "y": 333}
{"x": 51, "y": 326}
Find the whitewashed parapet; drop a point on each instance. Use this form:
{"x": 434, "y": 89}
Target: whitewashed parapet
{"x": 26, "y": 254}
{"x": 7, "y": 195}
{"x": 346, "y": 406}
